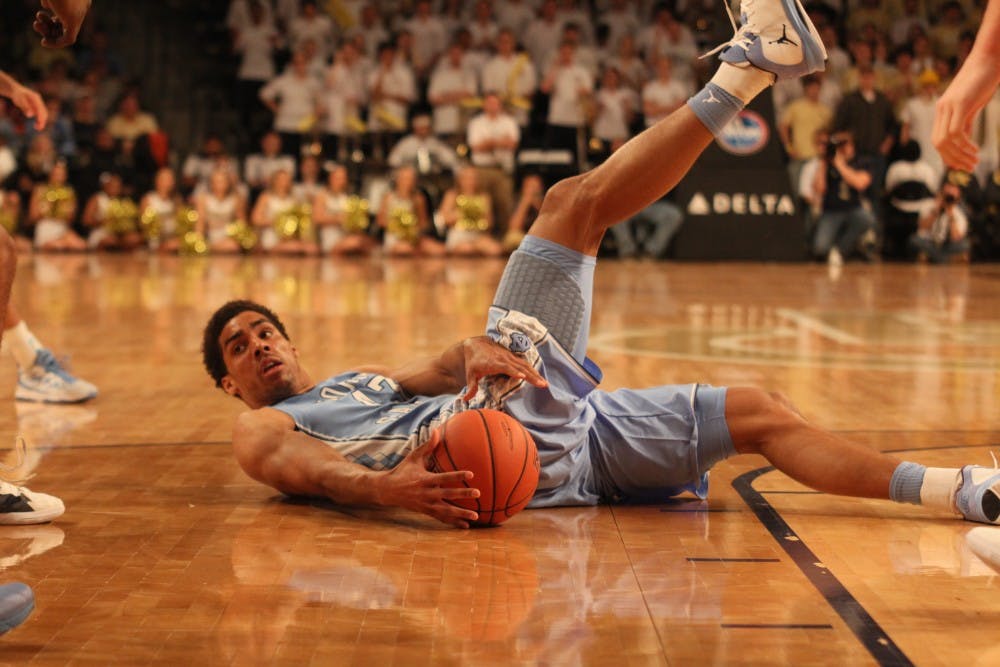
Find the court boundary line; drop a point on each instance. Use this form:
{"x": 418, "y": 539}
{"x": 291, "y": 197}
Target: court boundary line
{"x": 864, "y": 627}
{"x": 858, "y": 620}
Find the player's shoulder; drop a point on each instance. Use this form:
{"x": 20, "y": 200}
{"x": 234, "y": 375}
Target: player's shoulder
{"x": 261, "y": 423}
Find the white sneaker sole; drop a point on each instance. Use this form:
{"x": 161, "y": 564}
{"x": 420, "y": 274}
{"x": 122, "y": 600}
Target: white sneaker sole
{"x": 28, "y": 518}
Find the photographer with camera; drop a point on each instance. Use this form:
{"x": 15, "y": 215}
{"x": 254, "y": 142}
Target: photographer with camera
{"x": 942, "y": 229}
{"x": 839, "y": 181}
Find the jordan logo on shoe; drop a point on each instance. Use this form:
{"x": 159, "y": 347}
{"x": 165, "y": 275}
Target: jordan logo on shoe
{"x": 784, "y": 37}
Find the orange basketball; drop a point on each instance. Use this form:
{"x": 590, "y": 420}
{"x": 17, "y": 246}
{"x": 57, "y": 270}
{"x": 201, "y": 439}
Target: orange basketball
{"x": 502, "y": 457}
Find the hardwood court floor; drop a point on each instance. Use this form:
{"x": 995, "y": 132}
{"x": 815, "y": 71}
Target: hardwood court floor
{"x": 169, "y": 554}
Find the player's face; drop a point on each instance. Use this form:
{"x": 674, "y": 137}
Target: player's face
{"x": 263, "y": 366}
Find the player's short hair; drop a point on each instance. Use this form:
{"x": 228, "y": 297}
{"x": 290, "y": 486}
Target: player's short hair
{"x": 211, "y": 350}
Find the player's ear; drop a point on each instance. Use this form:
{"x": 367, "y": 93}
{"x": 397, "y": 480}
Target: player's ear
{"x": 229, "y": 386}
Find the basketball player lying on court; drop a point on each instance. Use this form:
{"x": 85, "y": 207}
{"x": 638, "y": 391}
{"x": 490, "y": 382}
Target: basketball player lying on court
{"x": 364, "y": 436}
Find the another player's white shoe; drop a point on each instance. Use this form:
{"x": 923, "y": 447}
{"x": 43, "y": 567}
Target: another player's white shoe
{"x": 20, "y": 506}
{"x": 776, "y": 36}
{"x": 985, "y": 543}
{"x": 46, "y": 381}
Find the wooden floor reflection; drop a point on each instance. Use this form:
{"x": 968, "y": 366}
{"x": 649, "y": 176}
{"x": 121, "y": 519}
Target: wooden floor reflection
{"x": 169, "y": 554}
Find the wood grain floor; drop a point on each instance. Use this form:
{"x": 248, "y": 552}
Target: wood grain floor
{"x": 168, "y": 554}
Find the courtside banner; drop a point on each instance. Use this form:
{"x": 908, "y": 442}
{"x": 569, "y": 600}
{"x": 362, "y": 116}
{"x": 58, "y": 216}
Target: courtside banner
{"x": 737, "y": 200}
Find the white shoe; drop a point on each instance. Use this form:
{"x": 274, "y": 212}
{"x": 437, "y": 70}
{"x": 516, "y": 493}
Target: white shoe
{"x": 20, "y": 506}
{"x": 776, "y": 36}
{"x": 46, "y": 381}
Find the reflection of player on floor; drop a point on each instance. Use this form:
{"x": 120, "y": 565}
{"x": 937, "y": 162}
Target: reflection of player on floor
{"x": 641, "y": 445}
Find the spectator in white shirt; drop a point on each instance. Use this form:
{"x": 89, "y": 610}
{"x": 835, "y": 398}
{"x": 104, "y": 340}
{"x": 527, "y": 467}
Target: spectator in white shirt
{"x": 668, "y": 37}
{"x": 584, "y": 55}
{"x": 493, "y": 138}
{"x": 626, "y": 59}
{"x": 512, "y": 75}
{"x": 293, "y": 97}
{"x": 256, "y": 43}
{"x": 371, "y": 31}
{"x": 429, "y": 38}
{"x": 260, "y": 167}
{"x": 514, "y": 15}
{"x": 311, "y": 24}
{"x": 616, "y": 107}
{"x": 571, "y": 12}
{"x": 239, "y": 15}
{"x": 543, "y": 34}
{"x": 392, "y": 89}
{"x": 569, "y": 87}
{"x": 343, "y": 96}
{"x": 621, "y": 21}
{"x": 482, "y": 28}
{"x": 450, "y": 85}
{"x": 662, "y": 95}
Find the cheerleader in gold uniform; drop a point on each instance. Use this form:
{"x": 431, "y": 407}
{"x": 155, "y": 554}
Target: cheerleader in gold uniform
{"x": 467, "y": 212}
{"x": 403, "y": 215}
{"x": 221, "y": 214}
{"x": 159, "y": 210}
{"x": 112, "y": 218}
{"x": 341, "y": 218}
{"x": 283, "y": 225}
{"x": 52, "y": 209}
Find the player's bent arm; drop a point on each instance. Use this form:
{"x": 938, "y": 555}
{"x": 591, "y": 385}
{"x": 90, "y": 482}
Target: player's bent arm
{"x": 464, "y": 365}
{"x": 270, "y": 450}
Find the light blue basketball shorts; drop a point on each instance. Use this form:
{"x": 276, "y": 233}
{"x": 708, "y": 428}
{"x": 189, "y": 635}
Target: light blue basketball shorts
{"x": 628, "y": 445}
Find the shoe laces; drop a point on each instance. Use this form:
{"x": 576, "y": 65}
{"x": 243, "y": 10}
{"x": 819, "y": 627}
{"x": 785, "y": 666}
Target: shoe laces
{"x": 742, "y": 37}
{"x": 45, "y": 359}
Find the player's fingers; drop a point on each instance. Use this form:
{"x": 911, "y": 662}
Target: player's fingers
{"x": 450, "y": 478}
{"x": 459, "y": 493}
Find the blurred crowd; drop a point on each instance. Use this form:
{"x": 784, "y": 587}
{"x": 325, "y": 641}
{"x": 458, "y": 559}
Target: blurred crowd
{"x": 434, "y": 127}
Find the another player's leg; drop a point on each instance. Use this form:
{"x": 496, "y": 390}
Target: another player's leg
{"x": 41, "y": 377}
{"x": 16, "y": 603}
{"x": 767, "y": 424}
{"x": 776, "y": 40}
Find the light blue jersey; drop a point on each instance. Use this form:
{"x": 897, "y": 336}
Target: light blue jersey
{"x": 368, "y": 417}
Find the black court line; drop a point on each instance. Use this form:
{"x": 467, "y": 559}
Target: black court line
{"x": 777, "y": 626}
{"x": 858, "y": 620}
{"x": 734, "y": 560}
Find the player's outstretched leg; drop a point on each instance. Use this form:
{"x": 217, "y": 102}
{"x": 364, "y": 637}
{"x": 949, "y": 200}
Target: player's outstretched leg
{"x": 776, "y": 41}
{"x": 767, "y": 424}
{"x": 16, "y": 602}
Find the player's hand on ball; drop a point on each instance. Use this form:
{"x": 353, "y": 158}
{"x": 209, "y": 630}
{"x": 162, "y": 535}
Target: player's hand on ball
{"x": 412, "y": 486}
{"x": 485, "y": 357}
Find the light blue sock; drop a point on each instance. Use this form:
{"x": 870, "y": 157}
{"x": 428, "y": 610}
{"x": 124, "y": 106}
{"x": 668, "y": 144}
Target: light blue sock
{"x": 907, "y": 479}
{"x": 715, "y": 107}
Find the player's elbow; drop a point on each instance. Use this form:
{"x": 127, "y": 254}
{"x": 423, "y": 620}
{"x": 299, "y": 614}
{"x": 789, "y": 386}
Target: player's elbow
{"x": 253, "y": 443}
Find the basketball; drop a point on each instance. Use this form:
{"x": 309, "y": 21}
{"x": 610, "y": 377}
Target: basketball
{"x": 502, "y": 456}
